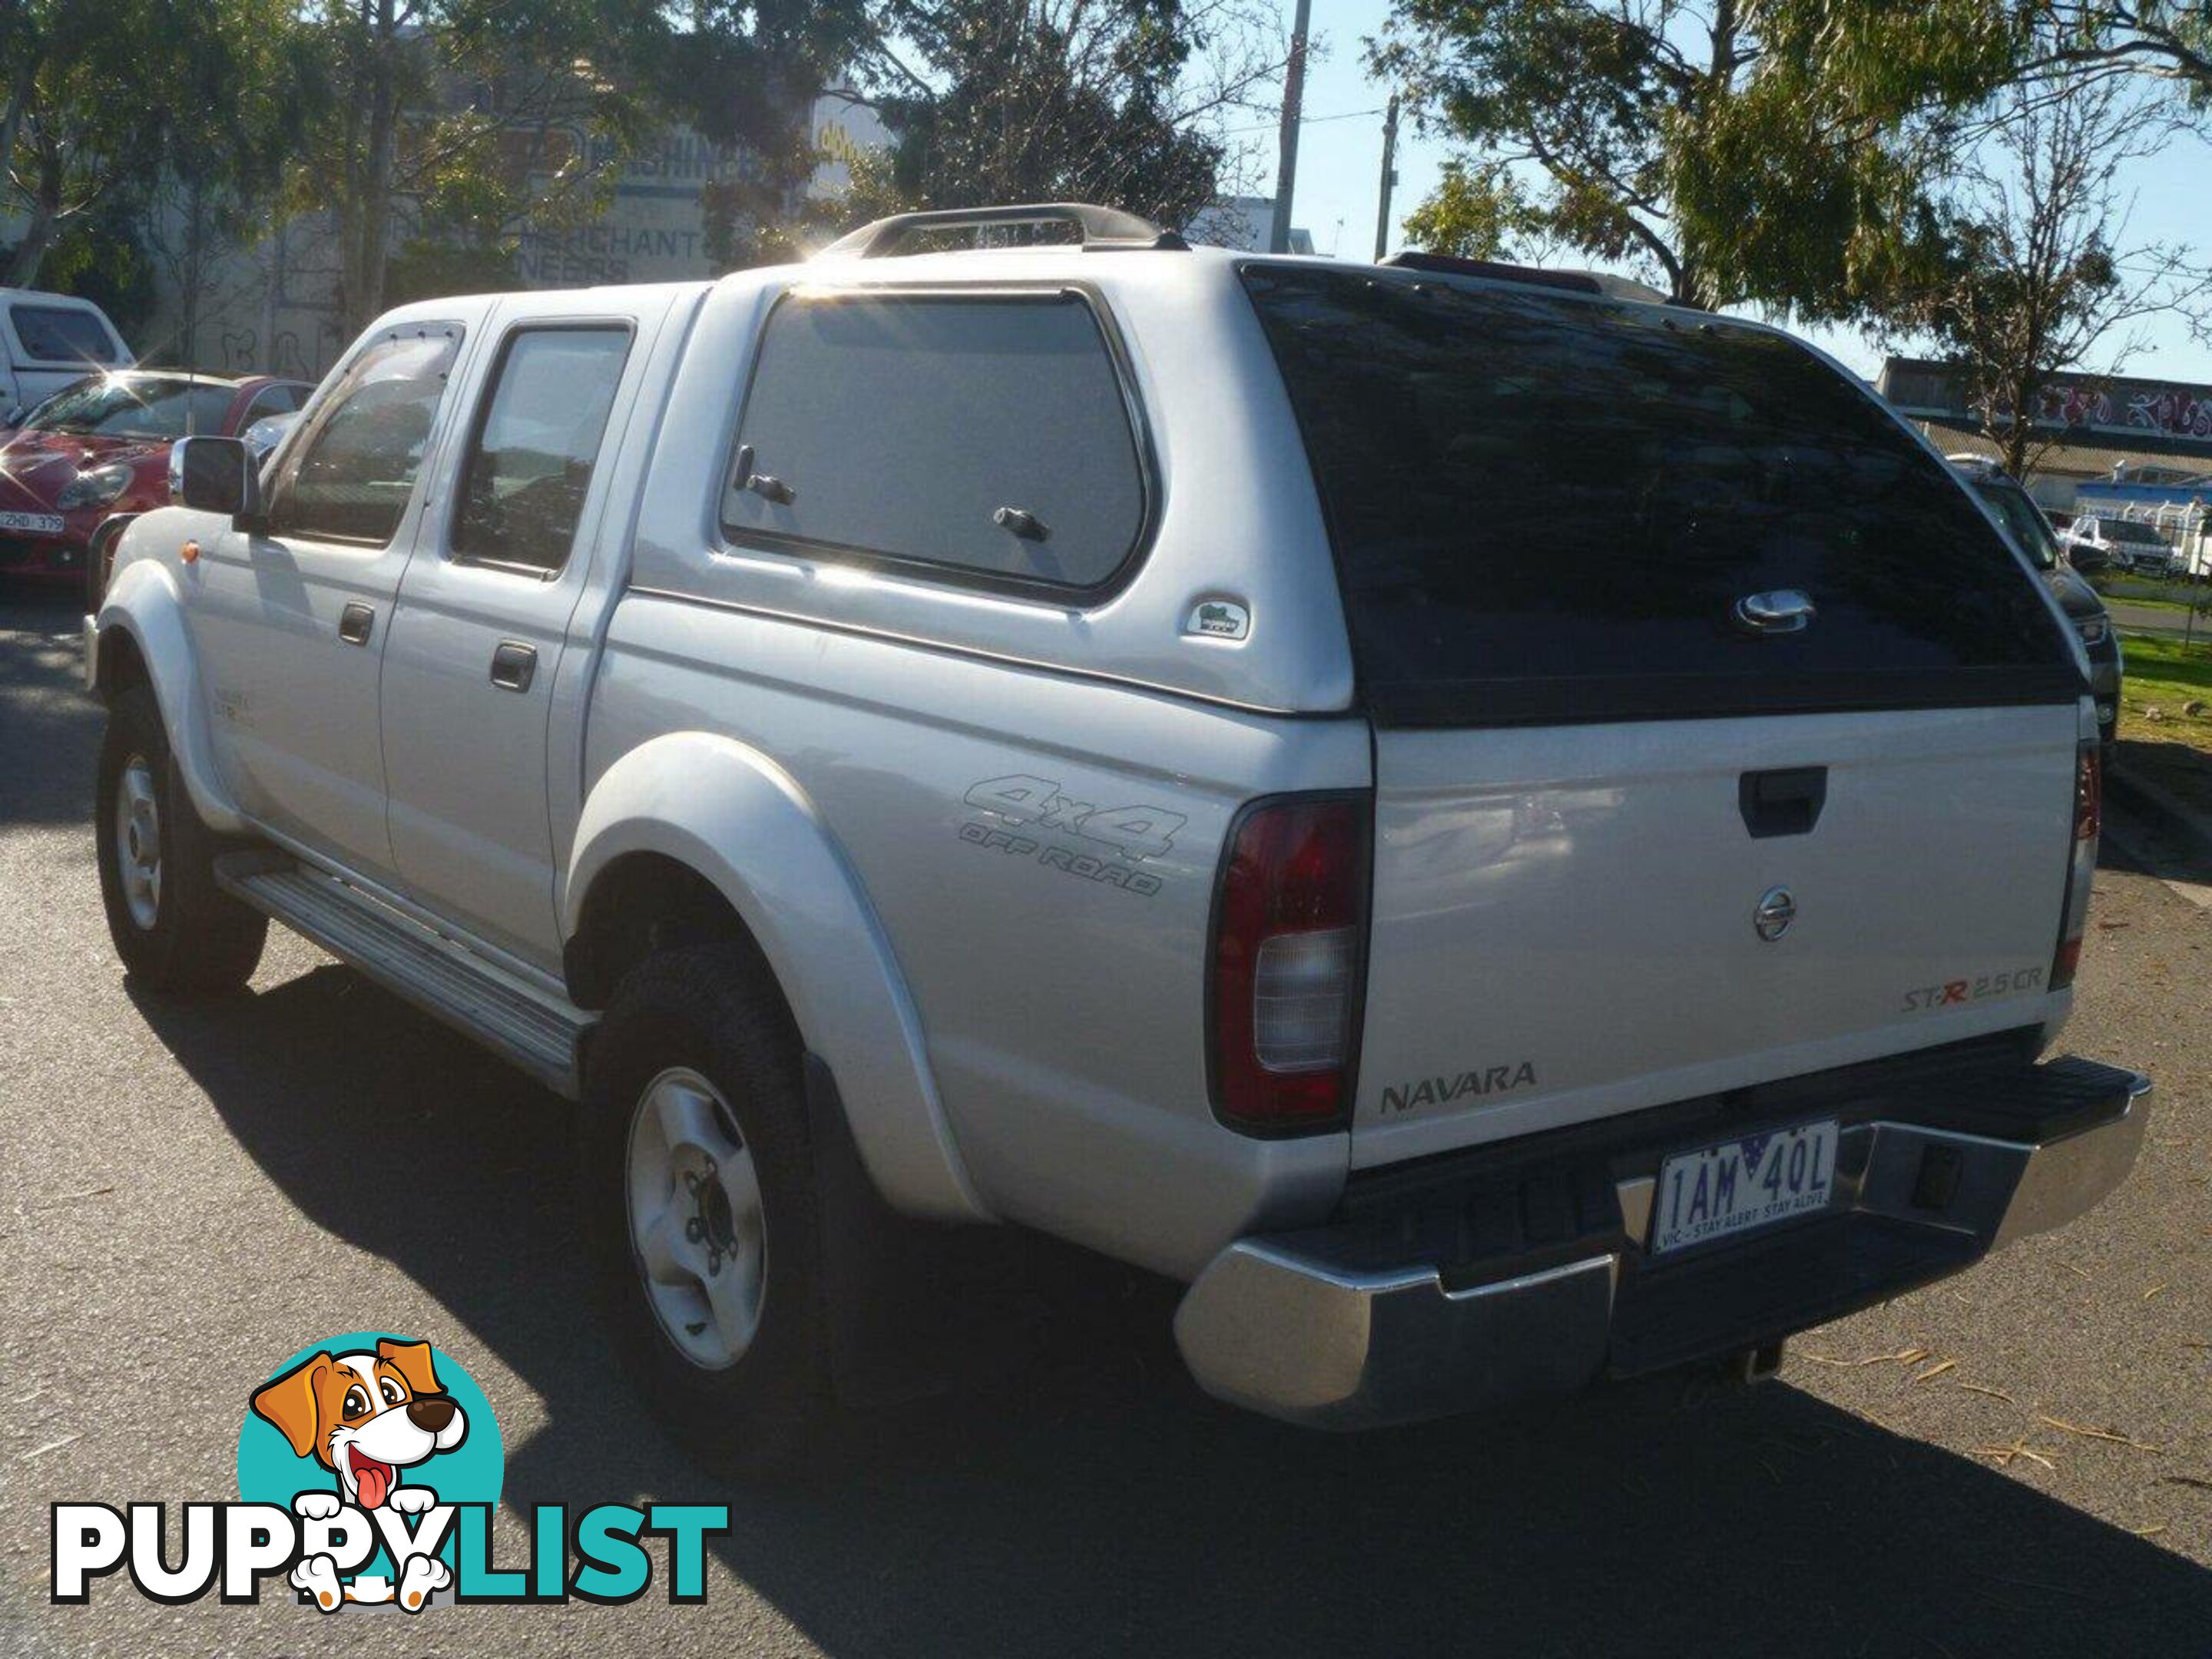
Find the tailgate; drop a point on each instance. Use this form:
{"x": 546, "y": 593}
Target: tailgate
{"x": 1628, "y": 589}
{"x": 1564, "y": 920}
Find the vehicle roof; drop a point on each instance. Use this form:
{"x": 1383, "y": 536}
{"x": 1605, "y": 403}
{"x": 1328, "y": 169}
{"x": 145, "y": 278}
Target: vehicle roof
{"x": 47, "y": 294}
{"x": 220, "y": 382}
{"x": 141, "y": 373}
{"x": 1197, "y": 265}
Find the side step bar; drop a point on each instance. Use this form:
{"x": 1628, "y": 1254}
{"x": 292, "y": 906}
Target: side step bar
{"x": 538, "y": 1031}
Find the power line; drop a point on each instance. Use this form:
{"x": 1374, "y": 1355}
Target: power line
{"x": 1303, "y": 121}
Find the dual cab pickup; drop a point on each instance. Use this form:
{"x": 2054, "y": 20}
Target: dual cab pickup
{"x": 1503, "y": 834}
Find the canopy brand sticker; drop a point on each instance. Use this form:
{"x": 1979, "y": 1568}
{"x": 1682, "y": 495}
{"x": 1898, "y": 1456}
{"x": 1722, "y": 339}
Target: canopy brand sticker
{"x": 1218, "y": 619}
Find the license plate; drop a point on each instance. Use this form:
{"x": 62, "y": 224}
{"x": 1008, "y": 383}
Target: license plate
{"x": 35, "y": 524}
{"x": 1741, "y": 1185}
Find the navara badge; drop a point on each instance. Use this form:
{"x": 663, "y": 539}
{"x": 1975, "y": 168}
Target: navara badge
{"x": 1218, "y": 619}
{"x": 1776, "y": 910}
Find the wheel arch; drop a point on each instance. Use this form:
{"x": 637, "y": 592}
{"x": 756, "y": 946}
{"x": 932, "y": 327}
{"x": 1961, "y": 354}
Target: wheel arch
{"x": 693, "y": 835}
{"x": 141, "y": 637}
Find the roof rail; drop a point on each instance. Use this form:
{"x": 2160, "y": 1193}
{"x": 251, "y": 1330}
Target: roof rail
{"x": 1450, "y": 264}
{"x": 1573, "y": 282}
{"x": 1107, "y": 229}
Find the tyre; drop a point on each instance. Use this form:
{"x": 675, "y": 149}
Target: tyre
{"x": 175, "y": 929}
{"x": 700, "y": 1209}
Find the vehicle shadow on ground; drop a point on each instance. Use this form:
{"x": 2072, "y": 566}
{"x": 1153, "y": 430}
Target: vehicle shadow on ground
{"x": 1086, "y": 1499}
{"x": 2142, "y": 835}
{"x": 42, "y": 712}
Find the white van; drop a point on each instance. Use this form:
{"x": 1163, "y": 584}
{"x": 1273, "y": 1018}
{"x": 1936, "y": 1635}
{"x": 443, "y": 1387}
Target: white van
{"x": 48, "y": 340}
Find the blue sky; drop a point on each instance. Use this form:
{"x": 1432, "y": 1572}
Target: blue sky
{"x": 1340, "y": 162}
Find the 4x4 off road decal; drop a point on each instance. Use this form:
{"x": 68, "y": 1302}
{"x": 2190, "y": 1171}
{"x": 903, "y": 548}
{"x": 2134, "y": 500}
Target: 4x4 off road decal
{"x": 1117, "y": 837}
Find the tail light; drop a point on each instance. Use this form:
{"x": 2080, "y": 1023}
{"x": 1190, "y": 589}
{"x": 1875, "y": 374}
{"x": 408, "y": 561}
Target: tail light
{"x": 2081, "y": 865}
{"x": 1290, "y": 943}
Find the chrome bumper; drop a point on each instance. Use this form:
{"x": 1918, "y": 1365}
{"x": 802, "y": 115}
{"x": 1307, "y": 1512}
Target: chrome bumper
{"x": 1276, "y": 1325}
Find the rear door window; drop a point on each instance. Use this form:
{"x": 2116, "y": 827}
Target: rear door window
{"x": 984, "y": 437}
{"x": 1545, "y": 509}
{"x": 525, "y": 475}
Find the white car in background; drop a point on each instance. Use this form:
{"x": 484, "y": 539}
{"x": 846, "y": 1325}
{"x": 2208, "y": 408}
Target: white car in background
{"x": 49, "y": 341}
{"x": 2121, "y": 545}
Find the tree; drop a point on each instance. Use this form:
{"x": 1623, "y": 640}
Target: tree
{"x": 1115, "y": 101}
{"x": 748, "y": 72}
{"x": 2171, "y": 39}
{"x": 233, "y": 115}
{"x": 71, "y": 134}
{"x": 480, "y": 118}
{"x": 1477, "y": 211}
{"x": 1731, "y": 151}
{"x": 2039, "y": 276}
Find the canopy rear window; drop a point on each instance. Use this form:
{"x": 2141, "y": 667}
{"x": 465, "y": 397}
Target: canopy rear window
{"x": 1547, "y": 508}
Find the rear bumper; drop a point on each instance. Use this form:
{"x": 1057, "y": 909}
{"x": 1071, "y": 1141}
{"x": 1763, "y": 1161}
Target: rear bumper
{"x": 1321, "y": 1328}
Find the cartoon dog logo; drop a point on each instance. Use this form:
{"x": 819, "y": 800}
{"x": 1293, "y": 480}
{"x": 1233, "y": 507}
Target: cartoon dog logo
{"x": 365, "y": 1417}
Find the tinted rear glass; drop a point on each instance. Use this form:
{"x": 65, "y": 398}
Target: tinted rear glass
{"x": 1546, "y": 507}
{"x": 2120, "y": 530}
{"x": 2019, "y": 513}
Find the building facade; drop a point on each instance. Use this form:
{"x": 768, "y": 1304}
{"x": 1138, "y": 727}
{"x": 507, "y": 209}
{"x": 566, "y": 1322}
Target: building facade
{"x": 2086, "y": 430}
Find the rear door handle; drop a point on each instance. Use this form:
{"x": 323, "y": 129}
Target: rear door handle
{"x": 513, "y": 665}
{"x": 355, "y": 622}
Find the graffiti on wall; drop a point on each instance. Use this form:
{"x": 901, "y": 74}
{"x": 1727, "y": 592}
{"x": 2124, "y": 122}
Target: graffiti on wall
{"x": 2174, "y": 411}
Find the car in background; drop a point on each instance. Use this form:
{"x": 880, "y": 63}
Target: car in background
{"x": 100, "y": 446}
{"x": 48, "y": 342}
{"x": 263, "y": 437}
{"x": 2084, "y": 606}
{"x": 2097, "y": 544}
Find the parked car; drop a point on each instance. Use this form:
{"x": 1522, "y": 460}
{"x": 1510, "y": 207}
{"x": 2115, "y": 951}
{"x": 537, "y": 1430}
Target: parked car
{"x": 2084, "y": 606}
{"x": 100, "y": 446}
{"x": 2096, "y": 544}
{"x": 265, "y": 434}
{"x": 797, "y": 715}
{"x": 47, "y": 340}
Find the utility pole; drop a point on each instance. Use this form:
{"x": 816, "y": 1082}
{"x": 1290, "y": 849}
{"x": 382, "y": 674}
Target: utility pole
{"x": 1389, "y": 177}
{"x": 1294, "y": 93}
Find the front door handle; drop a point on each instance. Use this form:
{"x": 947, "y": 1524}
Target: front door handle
{"x": 355, "y": 622}
{"x": 513, "y": 665}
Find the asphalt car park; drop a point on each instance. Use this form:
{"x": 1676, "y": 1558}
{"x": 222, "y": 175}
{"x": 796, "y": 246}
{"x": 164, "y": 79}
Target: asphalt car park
{"x": 2015, "y": 1461}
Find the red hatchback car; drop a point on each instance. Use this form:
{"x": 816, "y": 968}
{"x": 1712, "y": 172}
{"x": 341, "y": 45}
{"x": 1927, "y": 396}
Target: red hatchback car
{"x": 101, "y": 447}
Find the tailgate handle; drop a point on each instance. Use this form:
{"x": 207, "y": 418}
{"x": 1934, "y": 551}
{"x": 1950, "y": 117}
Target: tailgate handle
{"x": 1786, "y": 802}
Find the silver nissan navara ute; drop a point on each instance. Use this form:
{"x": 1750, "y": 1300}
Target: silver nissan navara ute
{"x": 1503, "y": 835}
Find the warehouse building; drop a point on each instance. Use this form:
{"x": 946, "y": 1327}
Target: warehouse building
{"x": 2088, "y": 429}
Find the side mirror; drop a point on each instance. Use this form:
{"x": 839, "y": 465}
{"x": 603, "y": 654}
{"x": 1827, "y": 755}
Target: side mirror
{"x": 214, "y": 475}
